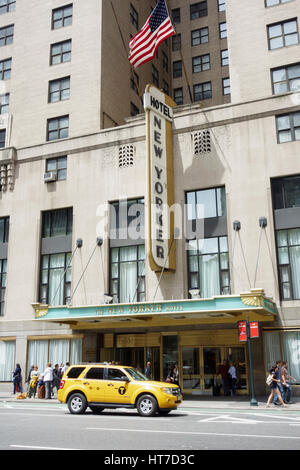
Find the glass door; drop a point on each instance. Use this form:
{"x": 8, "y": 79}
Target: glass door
{"x": 200, "y": 366}
{"x": 191, "y": 378}
{"x": 211, "y": 361}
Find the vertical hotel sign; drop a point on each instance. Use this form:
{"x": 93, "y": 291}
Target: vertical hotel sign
{"x": 159, "y": 118}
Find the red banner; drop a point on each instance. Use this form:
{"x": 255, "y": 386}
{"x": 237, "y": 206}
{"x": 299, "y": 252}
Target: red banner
{"x": 254, "y": 331}
{"x": 242, "y": 330}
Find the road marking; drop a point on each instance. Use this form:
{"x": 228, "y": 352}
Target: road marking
{"x": 196, "y": 433}
{"x": 20, "y": 446}
{"x": 228, "y": 419}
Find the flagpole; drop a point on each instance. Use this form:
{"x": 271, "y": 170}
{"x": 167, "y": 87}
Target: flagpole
{"x": 124, "y": 44}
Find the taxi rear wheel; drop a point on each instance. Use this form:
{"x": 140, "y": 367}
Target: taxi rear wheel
{"x": 77, "y": 403}
{"x": 146, "y": 405}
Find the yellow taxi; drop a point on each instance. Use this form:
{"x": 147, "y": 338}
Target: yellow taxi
{"x": 100, "y": 386}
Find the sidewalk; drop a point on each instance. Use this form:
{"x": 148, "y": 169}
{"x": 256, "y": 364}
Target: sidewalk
{"x": 196, "y": 401}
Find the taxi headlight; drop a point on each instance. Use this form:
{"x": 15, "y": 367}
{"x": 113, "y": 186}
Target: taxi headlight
{"x": 168, "y": 390}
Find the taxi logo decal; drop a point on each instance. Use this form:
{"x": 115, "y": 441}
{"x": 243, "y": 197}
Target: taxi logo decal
{"x": 122, "y": 390}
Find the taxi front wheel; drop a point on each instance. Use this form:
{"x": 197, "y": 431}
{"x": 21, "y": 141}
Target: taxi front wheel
{"x": 146, "y": 405}
{"x": 77, "y": 403}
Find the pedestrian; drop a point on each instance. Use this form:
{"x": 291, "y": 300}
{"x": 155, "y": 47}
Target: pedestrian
{"x": 279, "y": 384}
{"x": 29, "y": 377}
{"x": 48, "y": 378}
{"x": 174, "y": 375}
{"x": 286, "y": 378}
{"x": 274, "y": 387}
{"x": 223, "y": 371}
{"x": 148, "y": 370}
{"x": 41, "y": 387}
{"x": 56, "y": 378}
{"x": 33, "y": 383}
{"x": 65, "y": 368}
{"x": 232, "y": 374}
{"x": 17, "y": 379}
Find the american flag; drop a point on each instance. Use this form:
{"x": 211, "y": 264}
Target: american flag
{"x": 157, "y": 28}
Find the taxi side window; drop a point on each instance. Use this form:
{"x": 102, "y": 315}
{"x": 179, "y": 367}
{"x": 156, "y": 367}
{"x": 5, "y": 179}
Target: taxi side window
{"x": 115, "y": 374}
{"x": 95, "y": 373}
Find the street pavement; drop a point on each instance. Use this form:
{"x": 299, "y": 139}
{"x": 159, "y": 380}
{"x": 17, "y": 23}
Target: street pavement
{"x": 195, "y": 401}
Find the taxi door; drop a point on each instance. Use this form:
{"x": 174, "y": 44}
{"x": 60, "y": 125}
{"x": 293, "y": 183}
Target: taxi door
{"x": 94, "y": 384}
{"x": 116, "y": 389}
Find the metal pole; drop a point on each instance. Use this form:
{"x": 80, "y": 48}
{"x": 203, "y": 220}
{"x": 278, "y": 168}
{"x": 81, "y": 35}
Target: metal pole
{"x": 253, "y": 401}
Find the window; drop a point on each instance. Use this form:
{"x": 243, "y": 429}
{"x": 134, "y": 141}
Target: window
{"x": 286, "y": 192}
{"x": 221, "y": 5}
{"x": 178, "y": 96}
{"x": 201, "y": 63}
{"x": 114, "y": 374}
{"x": 95, "y": 373}
{"x": 176, "y": 42}
{"x": 288, "y": 127}
{"x": 202, "y": 91}
{"x": 57, "y": 223}
{"x": 4, "y": 233}
{"x": 155, "y": 76}
{"x": 59, "y": 90}
{"x": 176, "y": 15}
{"x": 206, "y": 203}
{"x": 226, "y": 86}
{"x": 286, "y": 78}
{"x": 2, "y": 137}
{"x": 224, "y": 58}
{"x": 283, "y": 34}
{"x": 4, "y": 103}
{"x": 165, "y": 60}
{"x": 55, "y": 351}
{"x": 271, "y": 3}
{"x": 61, "y": 52}
{"x": 55, "y": 273}
{"x": 177, "y": 69}
{"x": 54, "y": 268}
{"x": 208, "y": 259}
{"x": 166, "y": 88}
{"x": 127, "y": 251}
{"x": 288, "y": 246}
{"x": 58, "y": 128}
{"x": 199, "y": 36}
{"x": 7, "y": 364}
{"x": 134, "y": 82}
{"x": 197, "y": 10}
{"x": 223, "y": 30}
{"x": 134, "y": 16}
{"x": 7, "y": 5}
{"x": 58, "y": 165}
{"x": 6, "y": 35}
{"x": 5, "y": 69}
{"x": 62, "y": 16}
{"x": 208, "y": 263}
{"x": 128, "y": 274}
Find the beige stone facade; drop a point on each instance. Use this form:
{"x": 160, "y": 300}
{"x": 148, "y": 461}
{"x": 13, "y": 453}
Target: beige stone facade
{"x": 227, "y": 145}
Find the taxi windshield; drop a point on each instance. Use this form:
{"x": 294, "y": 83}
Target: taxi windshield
{"x": 135, "y": 374}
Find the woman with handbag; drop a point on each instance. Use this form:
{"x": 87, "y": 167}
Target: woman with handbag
{"x": 274, "y": 388}
{"x": 17, "y": 379}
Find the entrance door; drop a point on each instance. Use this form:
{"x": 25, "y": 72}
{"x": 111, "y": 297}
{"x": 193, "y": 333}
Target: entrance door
{"x": 200, "y": 366}
{"x": 211, "y": 361}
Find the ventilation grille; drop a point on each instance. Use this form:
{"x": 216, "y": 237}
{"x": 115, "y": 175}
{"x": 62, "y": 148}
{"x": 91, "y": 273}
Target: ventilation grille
{"x": 202, "y": 142}
{"x": 126, "y": 153}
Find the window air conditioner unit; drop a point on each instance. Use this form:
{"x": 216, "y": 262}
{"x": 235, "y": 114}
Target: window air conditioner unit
{"x": 50, "y": 176}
